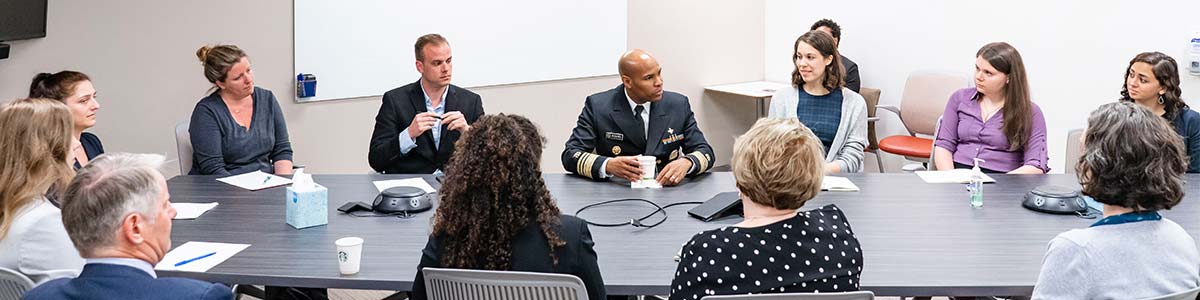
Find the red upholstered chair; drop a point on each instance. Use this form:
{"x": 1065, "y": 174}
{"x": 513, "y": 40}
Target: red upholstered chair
{"x": 921, "y": 104}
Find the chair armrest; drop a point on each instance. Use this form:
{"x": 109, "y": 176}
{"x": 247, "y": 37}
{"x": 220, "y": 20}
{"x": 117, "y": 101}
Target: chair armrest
{"x": 891, "y": 108}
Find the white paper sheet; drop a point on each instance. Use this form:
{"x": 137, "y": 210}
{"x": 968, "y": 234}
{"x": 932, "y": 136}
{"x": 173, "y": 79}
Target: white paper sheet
{"x": 188, "y": 211}
{"x": 194, "y": 249}
{"x": 951, "y": 176}
{"x": 838, "y": 184}
{"x": 413, "y": 182}
{"x": 256, "y": 180}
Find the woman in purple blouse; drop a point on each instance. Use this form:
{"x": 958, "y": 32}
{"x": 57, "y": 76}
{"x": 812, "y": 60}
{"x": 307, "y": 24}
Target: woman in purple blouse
{"x": 994, "y": 121}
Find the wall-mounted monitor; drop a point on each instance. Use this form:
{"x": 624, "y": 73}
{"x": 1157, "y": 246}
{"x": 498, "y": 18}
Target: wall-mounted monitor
{"x": 22, "y": 19}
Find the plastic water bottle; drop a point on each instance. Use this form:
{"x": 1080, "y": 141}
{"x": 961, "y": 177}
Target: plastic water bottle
{"x": 975, "y": 187}
{"x": 1193, "y": 61}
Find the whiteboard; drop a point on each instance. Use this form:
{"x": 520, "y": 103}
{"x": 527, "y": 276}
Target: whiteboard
{"x": 364, "y": 48}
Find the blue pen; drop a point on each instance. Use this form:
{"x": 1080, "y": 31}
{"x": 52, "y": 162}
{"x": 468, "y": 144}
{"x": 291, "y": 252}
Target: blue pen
{"x": 266, "y": 179}
{"x": 194, "y": 259}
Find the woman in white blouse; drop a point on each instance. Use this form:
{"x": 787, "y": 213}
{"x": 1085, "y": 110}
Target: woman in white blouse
{"x": 35, "y": 137}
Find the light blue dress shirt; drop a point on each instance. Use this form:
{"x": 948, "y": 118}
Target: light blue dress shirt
{"x": 407, "y": 142}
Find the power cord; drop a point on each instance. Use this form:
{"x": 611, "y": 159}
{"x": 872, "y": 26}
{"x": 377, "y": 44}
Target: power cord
{"x": 635, "y": 222}
{"x": 369, "y": 214}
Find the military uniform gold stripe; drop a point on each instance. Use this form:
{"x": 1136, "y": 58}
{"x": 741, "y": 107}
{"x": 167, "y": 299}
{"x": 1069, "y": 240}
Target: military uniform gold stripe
{"x": 579, "y": 164}
{"x": 589, "y": 160}
{"x": 584, "y": 164}
{"x": 703, "y": 159}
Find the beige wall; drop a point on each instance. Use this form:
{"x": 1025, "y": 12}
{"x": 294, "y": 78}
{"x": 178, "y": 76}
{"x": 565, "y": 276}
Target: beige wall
{"x": 140, "y": 55}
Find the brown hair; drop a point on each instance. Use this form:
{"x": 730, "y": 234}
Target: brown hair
{"x": 778, "y": 163}
{"x": 58, "y": 86}
{"x": 426, "y": 40}
{"x": 1167, "y": 73}
{"x": 35, "y": 139}
{"x": 1132, "y": 158}
{"x": 217, "y": 60}
{"x": 1018, "y": 108}
{"x": 834, "y": 77}
{"x": 493, "y": 189}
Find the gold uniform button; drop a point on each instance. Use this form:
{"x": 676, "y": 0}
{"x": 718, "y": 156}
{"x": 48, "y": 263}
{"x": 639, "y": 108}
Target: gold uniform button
{"x": 616, "y": 150}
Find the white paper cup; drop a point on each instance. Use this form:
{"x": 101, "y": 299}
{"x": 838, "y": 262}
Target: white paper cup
{"x": 647, "y": 163}
{"x": 349, "y": 254}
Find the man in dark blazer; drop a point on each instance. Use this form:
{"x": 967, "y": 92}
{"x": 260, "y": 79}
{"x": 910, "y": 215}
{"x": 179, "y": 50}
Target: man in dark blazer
{"x": 418, "y": 123}
{"x": 117, "y": 212}
{"x": 637, "y": 118}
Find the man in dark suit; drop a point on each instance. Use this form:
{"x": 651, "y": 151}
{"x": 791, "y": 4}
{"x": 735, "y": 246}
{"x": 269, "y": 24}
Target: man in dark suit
{"x": 829, "y": 26}
{"x": 118, "y": 214}
{"x": 633, "y": 119}
{"x": 418, "y": 123}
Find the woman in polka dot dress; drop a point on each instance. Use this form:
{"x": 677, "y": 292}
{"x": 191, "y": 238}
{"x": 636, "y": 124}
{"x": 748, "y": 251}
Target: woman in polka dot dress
{"x": 776, "y": 249}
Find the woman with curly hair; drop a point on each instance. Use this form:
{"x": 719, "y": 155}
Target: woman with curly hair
{"x": 1133, "y": 163}
{"x": 1152, "y": 80}
{"x": 495, "y": 212}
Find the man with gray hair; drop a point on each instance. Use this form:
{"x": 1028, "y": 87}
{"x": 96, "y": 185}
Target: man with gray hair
{"x": 118, "y": 214}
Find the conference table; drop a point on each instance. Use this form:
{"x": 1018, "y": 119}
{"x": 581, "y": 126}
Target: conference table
{"x": 917, "y": 238}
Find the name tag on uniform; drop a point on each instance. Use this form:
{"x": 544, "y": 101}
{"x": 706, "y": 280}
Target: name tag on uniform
{"x": 614, "y": 136}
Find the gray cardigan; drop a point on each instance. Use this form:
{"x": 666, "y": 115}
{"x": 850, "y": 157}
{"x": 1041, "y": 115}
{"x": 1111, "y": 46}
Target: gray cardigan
{"x": 851, "y": 137}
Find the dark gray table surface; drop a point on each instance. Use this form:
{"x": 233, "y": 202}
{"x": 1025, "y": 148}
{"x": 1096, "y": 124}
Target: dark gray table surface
{"x": 917, "y": 238}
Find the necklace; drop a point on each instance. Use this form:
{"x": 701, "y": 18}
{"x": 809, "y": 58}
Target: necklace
{"x": 237, "y": 110}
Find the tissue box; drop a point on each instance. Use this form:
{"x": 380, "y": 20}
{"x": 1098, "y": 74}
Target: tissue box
{"x": 307, "y": 208}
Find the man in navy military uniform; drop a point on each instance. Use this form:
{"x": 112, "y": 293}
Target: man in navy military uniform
{"x": 637, "y": 118}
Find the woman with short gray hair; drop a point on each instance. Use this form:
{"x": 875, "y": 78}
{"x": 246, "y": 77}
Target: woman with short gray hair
{"x": 1133, "y": 163}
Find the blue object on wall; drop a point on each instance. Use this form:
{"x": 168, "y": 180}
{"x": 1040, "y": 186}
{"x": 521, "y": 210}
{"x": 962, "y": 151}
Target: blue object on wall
{"x": 306, "y": 85}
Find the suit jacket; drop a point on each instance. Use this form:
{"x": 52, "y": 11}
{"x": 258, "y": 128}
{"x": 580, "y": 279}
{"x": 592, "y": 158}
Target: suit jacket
{"x": 852, "y": 80}
{"x": 530, "y": 253}
{"x": 105, "y": 281}
{"x": 607, "y": 128}
{"x": 399, "y": 107}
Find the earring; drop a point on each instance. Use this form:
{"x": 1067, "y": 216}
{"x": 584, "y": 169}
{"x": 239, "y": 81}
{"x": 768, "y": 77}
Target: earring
{"x": 1160, "y": 99}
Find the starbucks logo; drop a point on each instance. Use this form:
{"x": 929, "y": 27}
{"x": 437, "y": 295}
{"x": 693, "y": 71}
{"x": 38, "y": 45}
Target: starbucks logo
{"x": 342, "y": 256}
